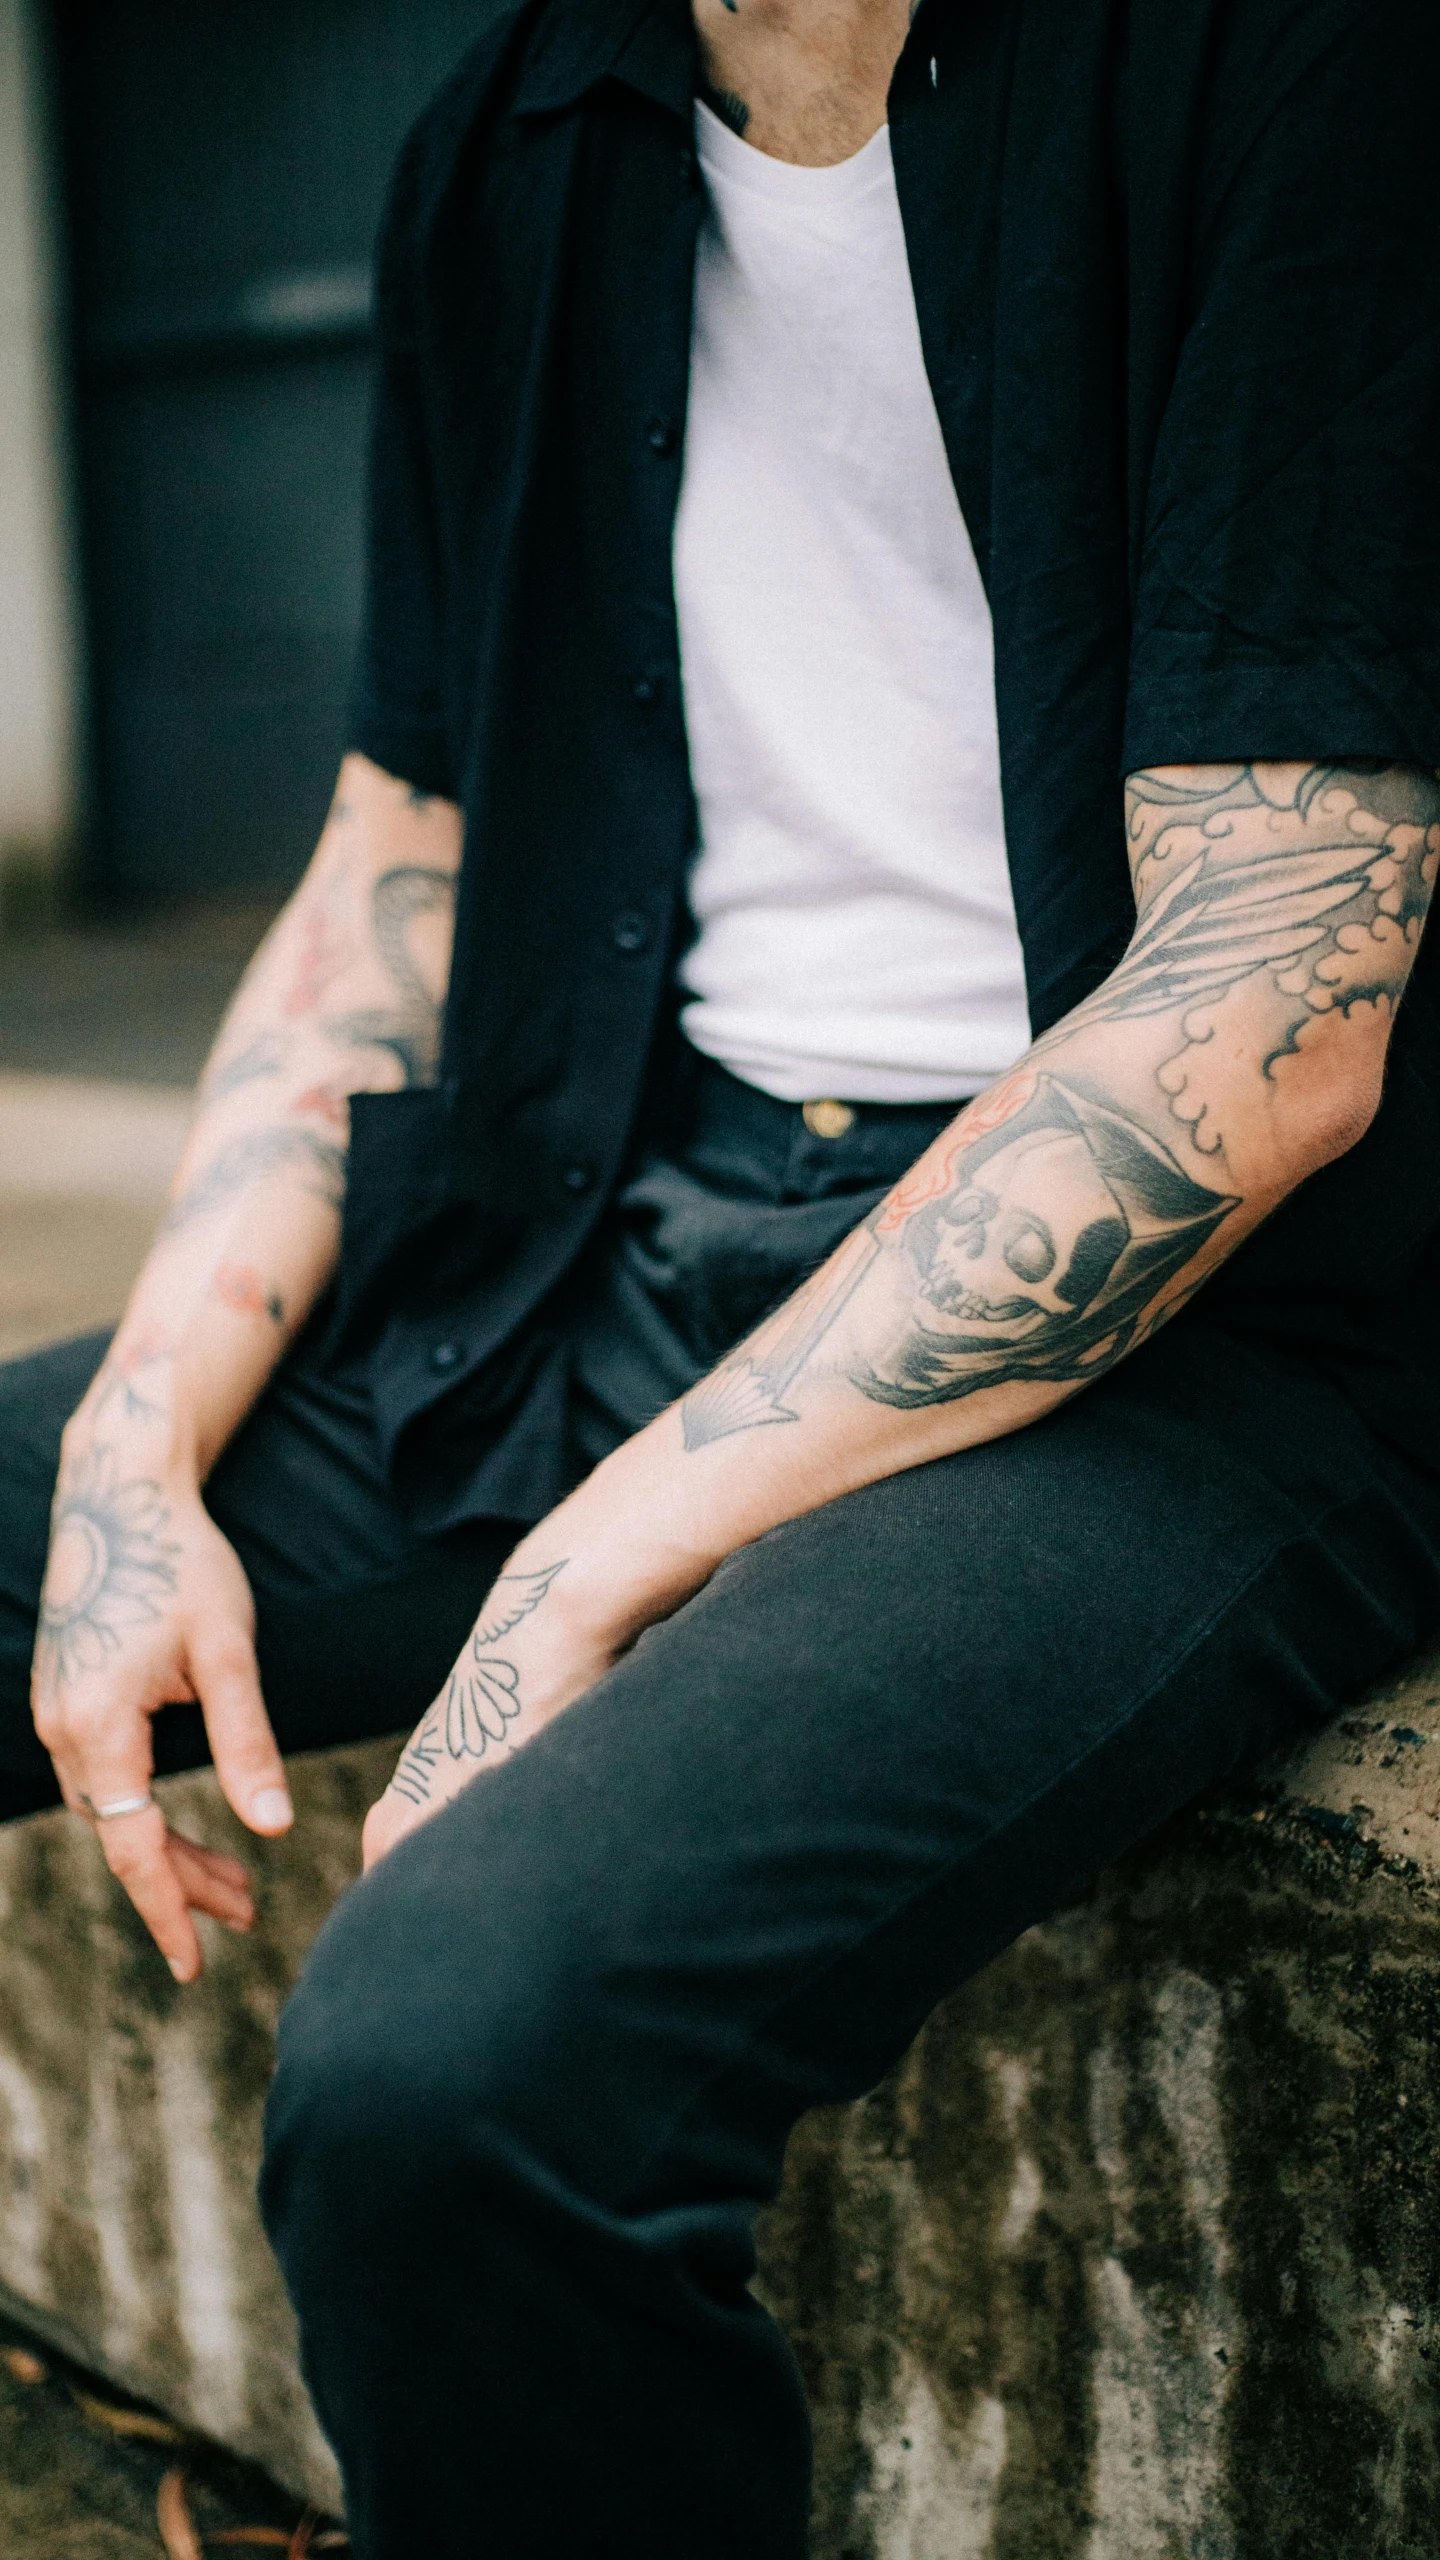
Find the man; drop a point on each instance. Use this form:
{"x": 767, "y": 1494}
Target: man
{"x": 914, "y": 1330}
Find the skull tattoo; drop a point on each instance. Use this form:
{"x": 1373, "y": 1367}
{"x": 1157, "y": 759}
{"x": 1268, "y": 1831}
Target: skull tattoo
{"x": 1070, "y": 1220}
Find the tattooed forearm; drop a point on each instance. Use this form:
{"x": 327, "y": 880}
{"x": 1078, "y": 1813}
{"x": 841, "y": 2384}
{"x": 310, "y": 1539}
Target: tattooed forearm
{"x": 483, "y": 1696}
{"x": 264, "y": 1056}
{"x": 1036, "y": 1255}
{"x": 1086, "y": 1198}
{"x": 111, "y": 1566}
{"x": 327, "y": 1101}
{"x": 410, "y": 1030}
{"x": 1315, "y": 879}
{"x": 239, "y": 1285}
{"x": 751, "y": 1387}
{"x": 134, "y": 1376}
{"x": 1064, "y": 1228}
{"x": 261, "y": 1152}
{"x": 251, "y": 1238}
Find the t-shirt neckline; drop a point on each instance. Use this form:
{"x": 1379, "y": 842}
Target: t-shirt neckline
{"x": 725, "y": 156}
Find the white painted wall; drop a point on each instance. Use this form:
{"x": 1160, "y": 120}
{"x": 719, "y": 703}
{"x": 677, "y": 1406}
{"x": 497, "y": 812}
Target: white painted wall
{"x": 37, "y": 613}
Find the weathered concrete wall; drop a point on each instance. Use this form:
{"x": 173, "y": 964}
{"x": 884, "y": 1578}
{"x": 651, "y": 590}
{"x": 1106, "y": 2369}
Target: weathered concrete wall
{"x": 1137, "y": 2256}
{"x": 130, "y": 2115}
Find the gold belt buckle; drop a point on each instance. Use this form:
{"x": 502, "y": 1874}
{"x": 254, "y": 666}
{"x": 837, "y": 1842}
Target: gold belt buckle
{"x": 827, "y": 1119}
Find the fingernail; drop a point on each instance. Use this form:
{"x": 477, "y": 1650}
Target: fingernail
{"x": 241, "y": 1926}
{"x": 180, "y": 1971}
{"x": 272, "y": 1809}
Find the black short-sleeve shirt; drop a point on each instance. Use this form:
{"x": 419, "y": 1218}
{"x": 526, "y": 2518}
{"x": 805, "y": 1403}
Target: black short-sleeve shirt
{"x": 1177, "y": 272}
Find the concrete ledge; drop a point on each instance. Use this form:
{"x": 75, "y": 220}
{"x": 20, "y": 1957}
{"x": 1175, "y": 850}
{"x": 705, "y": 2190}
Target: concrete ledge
{"x": 1136, "y": 2257}
{"x": 130, "y": 2115}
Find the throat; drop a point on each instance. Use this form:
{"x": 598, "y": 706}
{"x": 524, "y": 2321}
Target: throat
{"x": 803, "y": 80}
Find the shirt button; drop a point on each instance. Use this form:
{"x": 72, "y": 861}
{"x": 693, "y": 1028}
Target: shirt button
{"x": 646, "y": 689}
{"x": 630, "y": 930}
{"x": 662, "y": 435}
{"x": 445, "y": 1356}
{"x": 577, "y": 1177}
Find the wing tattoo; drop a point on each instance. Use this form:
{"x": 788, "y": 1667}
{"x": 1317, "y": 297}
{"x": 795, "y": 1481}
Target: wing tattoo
{"x": 513, "y": 1598}
{"x": 1210, "y": 927}
{"x": 484, "y": 1697}
{"x": 479, "y": 1704}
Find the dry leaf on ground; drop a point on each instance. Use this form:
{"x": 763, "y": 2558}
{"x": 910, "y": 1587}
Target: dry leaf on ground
{"x": 22, "y": 2366}
{"x": 272, "y": 2537}
{"x": 125, "y": 2422}
{"x": 172, "y": 2515}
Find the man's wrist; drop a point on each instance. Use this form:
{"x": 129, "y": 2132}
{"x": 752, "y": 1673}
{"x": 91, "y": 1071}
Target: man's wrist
{"x": 627, "y": 1561}
{"x": 143, "y": 1418}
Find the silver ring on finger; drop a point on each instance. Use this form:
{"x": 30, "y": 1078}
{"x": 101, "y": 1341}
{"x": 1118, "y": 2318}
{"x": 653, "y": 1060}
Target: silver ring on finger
{"x": 121, "y": 1804}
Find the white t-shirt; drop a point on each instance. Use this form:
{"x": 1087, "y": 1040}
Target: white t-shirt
{"x": 857, "y": 934}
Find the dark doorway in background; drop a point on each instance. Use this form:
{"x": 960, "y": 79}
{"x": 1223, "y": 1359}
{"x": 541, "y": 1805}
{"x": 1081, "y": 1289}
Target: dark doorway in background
{"x": 225, "y": 167}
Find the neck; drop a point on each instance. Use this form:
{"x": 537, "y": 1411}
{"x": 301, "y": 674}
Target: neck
{"x": 804, "y": 80}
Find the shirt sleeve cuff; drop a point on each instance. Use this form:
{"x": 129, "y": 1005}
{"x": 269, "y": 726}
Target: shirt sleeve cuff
{"x": 1255, "y": 708}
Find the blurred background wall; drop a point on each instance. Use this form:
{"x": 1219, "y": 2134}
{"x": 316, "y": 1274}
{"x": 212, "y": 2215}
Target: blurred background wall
{"x": 39, "y": 729}
{"x": 188, "y": 201}
{"x": 189, "y": 194}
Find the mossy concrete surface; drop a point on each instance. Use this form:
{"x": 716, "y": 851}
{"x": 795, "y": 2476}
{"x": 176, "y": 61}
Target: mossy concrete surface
{"x": 1138, "y": 2256}
{"x": 1135, "y": 2257}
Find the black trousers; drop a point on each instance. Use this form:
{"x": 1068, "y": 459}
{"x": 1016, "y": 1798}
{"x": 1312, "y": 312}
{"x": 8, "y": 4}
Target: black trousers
{"x": 543, "y": 2063}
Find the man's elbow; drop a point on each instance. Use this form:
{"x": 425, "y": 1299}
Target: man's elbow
{"x": 1329, "y": 1112}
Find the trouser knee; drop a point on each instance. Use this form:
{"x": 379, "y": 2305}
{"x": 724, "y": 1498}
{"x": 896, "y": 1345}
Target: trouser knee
{"x": 413, "y": 2073}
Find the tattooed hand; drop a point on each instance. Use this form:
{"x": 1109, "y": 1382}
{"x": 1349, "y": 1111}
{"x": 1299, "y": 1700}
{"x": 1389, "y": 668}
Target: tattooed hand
{"x": 528, "y": 1657}
{"x": 145, "y": 1604}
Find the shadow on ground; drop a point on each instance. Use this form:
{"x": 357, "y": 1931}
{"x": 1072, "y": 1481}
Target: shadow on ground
{"x": 81, "y": 2472}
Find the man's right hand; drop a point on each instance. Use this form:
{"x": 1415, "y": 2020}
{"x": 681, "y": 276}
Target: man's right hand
{"x": 145, "y": 1601}
{"x": 146, "y": 1604}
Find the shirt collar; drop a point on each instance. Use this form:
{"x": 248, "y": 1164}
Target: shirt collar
{"x": 649, "y": 44}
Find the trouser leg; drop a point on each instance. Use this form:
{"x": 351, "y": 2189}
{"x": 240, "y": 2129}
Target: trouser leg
{"x": 544, "y": 2062}
{"x": 37, "y": 1397}
{"x": 357, "y": 1619}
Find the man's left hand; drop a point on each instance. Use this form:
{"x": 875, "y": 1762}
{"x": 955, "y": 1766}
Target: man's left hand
{"x": 528, "y": 1656}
